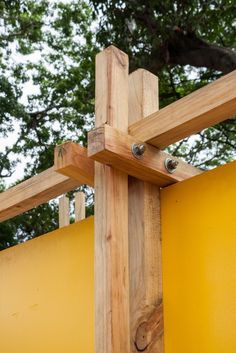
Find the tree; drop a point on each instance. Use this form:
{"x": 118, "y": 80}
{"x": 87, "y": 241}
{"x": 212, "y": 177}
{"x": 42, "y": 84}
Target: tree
{"x": 183, "y": 32}
{"x": 51, "y": 46}
{"x": 187, "y": 43}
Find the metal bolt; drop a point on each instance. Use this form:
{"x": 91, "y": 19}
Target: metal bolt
{"x": 138, "y": 150}
{"x": 171, "y": 165}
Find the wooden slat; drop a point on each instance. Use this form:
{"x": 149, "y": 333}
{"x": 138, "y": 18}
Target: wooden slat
{"x": 71, "y": 159}
{"x": 79, "y": 206}
{"x": 33, "y": 192}
{"x": 64, "y": 211}
{"x": 111, "y": 212}
{"x": 113, "y": 147}
{"x": 203, "y": 108}
{"x": 144, "y": 232}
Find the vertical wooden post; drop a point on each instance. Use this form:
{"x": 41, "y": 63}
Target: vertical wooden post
{"x": 112, "y": 334}
{"x": 79, "y": 206}
{"x": 64, "y": 211}
{"x": 144, "y": 227}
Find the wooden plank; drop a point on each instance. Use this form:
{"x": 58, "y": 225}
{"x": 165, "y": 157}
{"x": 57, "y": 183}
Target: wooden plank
{"x": 203, "y": 108}
{"x": 113, "y": 147}
{"x": 111, "y": 212}
{"x": 71, "y": 159}
{"x": 33, "y": 192}
{"x": 144, "y": 233}
{"x": 79, "y": 206}
{"x": 64, "y": 211}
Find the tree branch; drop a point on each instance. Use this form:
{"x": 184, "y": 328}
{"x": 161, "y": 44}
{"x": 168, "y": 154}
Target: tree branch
{"x": 185, "y": 48}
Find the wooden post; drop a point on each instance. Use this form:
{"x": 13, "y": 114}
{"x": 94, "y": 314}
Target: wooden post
{"x": 64, "y": 211}
{"x": 79, "y": 206}
{"x": 144, "y": 233}
{"x": 112, "y": 334}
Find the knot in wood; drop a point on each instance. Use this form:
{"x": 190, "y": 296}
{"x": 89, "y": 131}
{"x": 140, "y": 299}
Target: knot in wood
{"x": 149, "y": 330}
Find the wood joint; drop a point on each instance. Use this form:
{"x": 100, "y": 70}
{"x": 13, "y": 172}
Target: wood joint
{"x": 149, "y": 330}
{"x": 113, "y": 147}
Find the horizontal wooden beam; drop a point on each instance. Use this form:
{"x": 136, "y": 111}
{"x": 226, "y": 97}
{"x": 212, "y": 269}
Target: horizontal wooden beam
{"x": 203, "y": 108}
{"x": 113, "y": 147}
{"x": 71, "y": 159}
{"x": 33, "y": 192}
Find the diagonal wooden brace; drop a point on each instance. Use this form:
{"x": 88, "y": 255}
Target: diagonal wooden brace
{"x": 113, "y": 147}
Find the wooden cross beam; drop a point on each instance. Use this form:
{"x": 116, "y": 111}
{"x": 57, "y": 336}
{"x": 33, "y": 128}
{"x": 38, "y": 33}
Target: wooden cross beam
{"x": 33, "y": 192}
{"x": 113, "y": 147}
{"x": 203, "y": 108}
{"x": 71, "y": 159}
{"x": 72, "y": 169}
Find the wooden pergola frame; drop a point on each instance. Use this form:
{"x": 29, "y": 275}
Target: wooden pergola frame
{"x": 128, "y": 271}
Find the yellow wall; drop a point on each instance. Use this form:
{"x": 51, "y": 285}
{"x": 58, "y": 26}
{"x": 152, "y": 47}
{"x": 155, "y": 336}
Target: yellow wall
{"x": 199, "y": 263}
{"x": 47, "y": 289}
{"x": 47, "y": 293}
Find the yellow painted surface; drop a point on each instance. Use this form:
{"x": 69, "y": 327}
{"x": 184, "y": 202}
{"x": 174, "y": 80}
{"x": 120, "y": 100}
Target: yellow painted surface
{"x": 47, "y": 293}
{"x": 199, "y": 263}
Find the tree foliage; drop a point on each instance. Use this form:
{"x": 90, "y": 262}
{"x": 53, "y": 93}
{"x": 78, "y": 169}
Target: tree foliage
{"x": 187, "y": 43}
{"x": 47, "y": 46}
{"x": 47, "y": 51}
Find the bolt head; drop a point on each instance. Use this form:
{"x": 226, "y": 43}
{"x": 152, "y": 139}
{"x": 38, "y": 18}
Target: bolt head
{"x": 138, "y": 150}
{"x": 171, "y": 165}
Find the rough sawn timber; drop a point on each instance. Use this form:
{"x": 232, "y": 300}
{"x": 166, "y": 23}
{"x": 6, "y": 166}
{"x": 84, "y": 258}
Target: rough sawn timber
{"x": 71, "y": 159}
{"x": 112, "y": 332}
{"x": 113, "y": 147}
{"x": 145, "y": 259}
{"x": 33, "y": 192}
{"x": 203, "y": 108}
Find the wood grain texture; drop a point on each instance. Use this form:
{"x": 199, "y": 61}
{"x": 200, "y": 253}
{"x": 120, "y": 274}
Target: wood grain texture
{"x": 145, "y": 260}
{"x": 71, "y": 159}
{"x": 203, "y": 108}
{"x": 143, "y": 93}
{"x": 113, "y": 147}
{"x": 33, "y": 192}
{"x": 150, "y": 330}
{"x": 79, "y": 206}
{"x": 111, "y": 212}
{"x": 64, "y": 211}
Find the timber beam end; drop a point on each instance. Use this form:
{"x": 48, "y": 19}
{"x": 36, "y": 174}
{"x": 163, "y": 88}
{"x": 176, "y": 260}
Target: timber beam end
{"x": 71, "y": 159}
